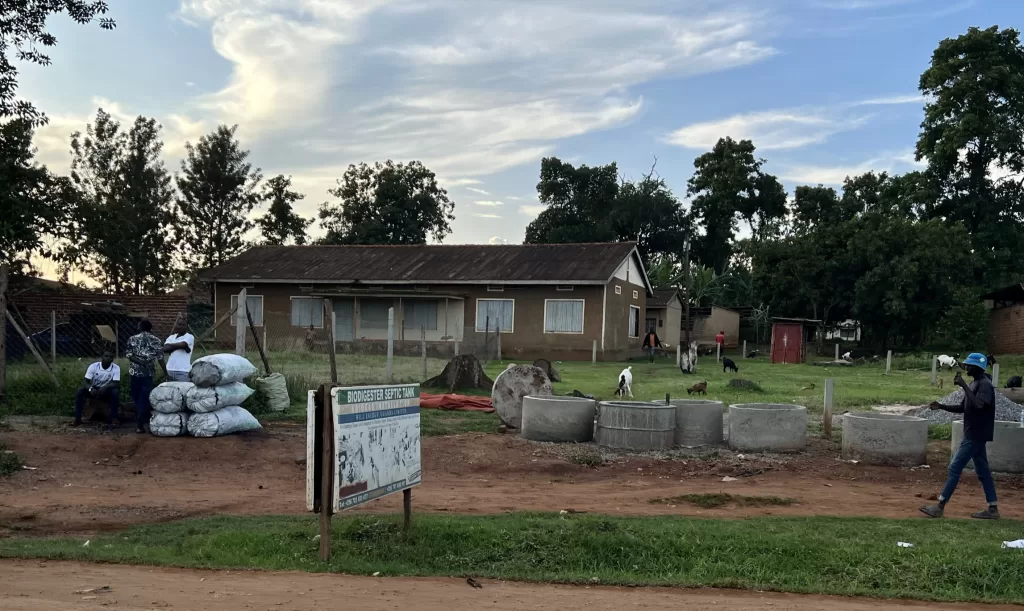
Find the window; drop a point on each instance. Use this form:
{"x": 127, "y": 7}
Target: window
{"x": 307, "y": 311}
{"x": 634, "y": 321}
{"x": 373, "y": 313}
{"x": 495, "y": 288}
{"x": 420, "y": 313}
{"x": 636, "y": 295}
{"x": 495, "y": 313}
{"x": 253, "y": 303}
{"x": 563, "y": 316}
{"x": 651, "y": 324}
{"x": 564, "y": 288}
{"x": 618, "y": 290}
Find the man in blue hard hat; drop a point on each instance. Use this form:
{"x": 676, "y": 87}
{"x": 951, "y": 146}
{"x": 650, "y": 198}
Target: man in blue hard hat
{"x": 979, "y": 410}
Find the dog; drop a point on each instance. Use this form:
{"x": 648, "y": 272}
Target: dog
{"x": 625, "y": 383}
{"x": 728, "y": 363}
{"x": 700, "y": 388}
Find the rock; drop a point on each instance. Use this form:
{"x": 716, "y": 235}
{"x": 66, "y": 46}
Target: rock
{"x": 1006, "y": 409}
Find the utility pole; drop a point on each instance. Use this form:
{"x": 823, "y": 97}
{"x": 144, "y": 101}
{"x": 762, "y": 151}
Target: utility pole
{"x": 686, "y": 271}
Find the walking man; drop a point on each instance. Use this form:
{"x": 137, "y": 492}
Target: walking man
{"x": 979, "y": 410}
{"x": 144, "y": 352}
{"x": 651, "y": 342}
{"x": 178, "y": 347}
{"x": 102, "y": 382}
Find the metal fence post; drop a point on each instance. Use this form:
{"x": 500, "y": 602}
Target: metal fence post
{"x": 391, "y": 343}
{"x": 497, "y": 340}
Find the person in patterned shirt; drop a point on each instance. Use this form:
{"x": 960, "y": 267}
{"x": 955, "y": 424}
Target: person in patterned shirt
{"x": 145, "y": 350}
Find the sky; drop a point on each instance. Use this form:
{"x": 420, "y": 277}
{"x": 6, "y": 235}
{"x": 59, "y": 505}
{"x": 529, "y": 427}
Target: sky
{"x": 481, "y": 90}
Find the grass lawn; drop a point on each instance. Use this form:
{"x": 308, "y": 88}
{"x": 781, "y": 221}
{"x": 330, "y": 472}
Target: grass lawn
{"x": 951, "y": 560}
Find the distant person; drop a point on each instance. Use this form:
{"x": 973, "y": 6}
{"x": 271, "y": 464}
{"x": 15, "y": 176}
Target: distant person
{"x": 102, "y": 383}
{"x": 651, "y": 342}
{"x": 144, "y": 351}
{"x": 178, "y": 347}
{"x": 720, "y": 340}
{"x": 979, "y": 410}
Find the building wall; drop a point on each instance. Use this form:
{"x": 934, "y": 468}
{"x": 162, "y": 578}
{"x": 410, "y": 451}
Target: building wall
{"x": 525, "y": 341}
{"x": 1006, "y": 330}
{"x": 669, "y": 321}
{"x": 706, "y": 328}
{"x": 618, "y": 344}
{"x": 37, "y": 305}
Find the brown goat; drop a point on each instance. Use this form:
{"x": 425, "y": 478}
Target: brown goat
{"x": 700, "y": 388}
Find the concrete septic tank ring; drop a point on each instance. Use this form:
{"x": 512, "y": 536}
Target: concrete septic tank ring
{"x": 698, "y": 423}
{"x": 885, "y": 439}
{"x": 1005, "y": 451}
{"x": 558, "y": 419}
{"x": 767, "y": 427}
{"x": 636, "y": 426}
{"x": 511, "y": 385}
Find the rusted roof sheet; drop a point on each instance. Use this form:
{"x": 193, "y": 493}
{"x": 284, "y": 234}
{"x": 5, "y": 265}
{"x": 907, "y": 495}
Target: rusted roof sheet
{"x": 661, "y": 298}
{"x": 426, "y": 264}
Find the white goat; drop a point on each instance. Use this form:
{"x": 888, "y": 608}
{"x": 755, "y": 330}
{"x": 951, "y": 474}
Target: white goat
{"x": 948, "y": 361}
{"x": 625, "y": 383}
{"x": 846, "y": 356}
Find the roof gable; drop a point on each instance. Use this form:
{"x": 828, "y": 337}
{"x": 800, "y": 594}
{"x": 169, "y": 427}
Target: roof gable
{"x": 437, "y": 264}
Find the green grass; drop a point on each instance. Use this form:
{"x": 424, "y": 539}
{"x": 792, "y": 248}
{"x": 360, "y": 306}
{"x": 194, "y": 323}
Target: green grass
{"x": 712, "y": 501}
{"x": 435, "y": 422}
{"x": 940, "y": 432}
{"x": 951, "y": 561}
{"x": 9, "y": 461}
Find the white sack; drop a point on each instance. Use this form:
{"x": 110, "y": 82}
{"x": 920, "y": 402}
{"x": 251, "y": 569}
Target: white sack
{"x": 203, "y": 400}
{"x": 169, "y": 425}
{"x": 222, "y": 422}
{"x": 169, "y": 397}
{"x": 220, "y": 369}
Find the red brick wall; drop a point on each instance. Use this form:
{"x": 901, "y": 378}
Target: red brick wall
{"x": 36, "y": 306}
{"x": 1006, "y": 330}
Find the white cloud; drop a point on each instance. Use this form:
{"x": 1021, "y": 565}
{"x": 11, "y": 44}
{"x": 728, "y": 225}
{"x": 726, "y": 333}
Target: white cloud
{"x": 809, "y": 174}
{"x": 496, "y": 240}
{"x": 513, "y": 198}
{"x": 477, "y": 191}
{"x": 487, "y": 216}
{"x": 532, "y": 210}
{"x": 787, "y": 128}
{"x": 856, "y": 5}
{"x": 489, "y": 204}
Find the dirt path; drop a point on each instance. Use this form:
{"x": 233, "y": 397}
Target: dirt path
{"x": 35, "y": 586}
{"x": 84, "y": 482}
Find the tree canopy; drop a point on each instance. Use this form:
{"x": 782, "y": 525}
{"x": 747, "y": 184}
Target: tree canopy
{"x": 387, "y": 203}
{"x": 281, "y": 224}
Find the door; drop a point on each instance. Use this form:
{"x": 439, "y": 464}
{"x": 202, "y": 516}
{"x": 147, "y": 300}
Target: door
{"x": 786, "y": 343}
{"x": 344, "y": 317}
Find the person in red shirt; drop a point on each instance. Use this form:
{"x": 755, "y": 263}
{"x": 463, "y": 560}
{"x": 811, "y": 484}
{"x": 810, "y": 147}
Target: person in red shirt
{"x": 720, "y": 340}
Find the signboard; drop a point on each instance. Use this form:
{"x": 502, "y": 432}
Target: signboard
{"x": 376, "y": 442}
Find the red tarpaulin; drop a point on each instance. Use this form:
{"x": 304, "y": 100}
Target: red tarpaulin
{"x": 456, "y": 403}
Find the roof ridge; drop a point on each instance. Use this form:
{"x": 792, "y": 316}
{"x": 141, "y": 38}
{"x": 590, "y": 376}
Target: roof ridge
{"x": 311, "y": 246}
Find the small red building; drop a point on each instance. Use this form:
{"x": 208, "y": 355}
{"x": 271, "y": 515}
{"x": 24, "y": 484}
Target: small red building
{"x": 790, "y": 337}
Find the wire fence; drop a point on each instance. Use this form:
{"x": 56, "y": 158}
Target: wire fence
{"x": 48, "y": 353}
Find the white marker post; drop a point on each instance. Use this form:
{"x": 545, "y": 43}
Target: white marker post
{"x": 935, "y": 369}
{"x": 995, "y": 375}
{"x": 888, "y": 362}
{"x": 827, "y": 418}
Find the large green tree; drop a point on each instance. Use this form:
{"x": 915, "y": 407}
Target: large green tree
{"x": 728, "y": 186}
{"x": 218, "y": 191}
{"x": 23, "y": 35}
{"x": 124, "y": 215}
{"x": 387, "y": 203}
{"x": 972, "y": 138}
{"x": 34, "y": 204}
{"x": 281, "y": 224}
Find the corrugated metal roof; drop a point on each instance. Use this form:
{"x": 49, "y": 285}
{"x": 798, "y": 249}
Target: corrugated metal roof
{"x": 568, "y": 263}
{"x": 661, "y": 298}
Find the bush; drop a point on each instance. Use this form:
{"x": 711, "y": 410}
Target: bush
{"x": 9, "y": 461}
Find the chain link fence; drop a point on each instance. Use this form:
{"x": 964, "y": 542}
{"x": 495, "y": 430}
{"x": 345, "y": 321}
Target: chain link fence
{"x": 48, "y": 353}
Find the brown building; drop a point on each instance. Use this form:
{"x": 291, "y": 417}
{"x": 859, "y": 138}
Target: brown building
{"x": 549, "y": 300}
{"x": 1006, "y": 320}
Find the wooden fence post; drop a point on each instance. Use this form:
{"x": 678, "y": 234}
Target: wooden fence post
{"x": 333, "y": 347}
{"x": 888, "y": 362}
{"x": 423, "y": 348}
{"x": 995, "y": 375}
{"x": 241, "y": 321}
{"x": 935, "y": 369}
{"x": 744, "y": 349}
{"x": 837, "y": 352}
{"x": 391, "y": 343}
{"x": 829, "y": 392}
{"x": 679, "y": 354}
{"x": 593, "y": 352}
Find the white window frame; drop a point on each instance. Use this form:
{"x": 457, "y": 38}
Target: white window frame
{"x": 476, "y": 315}
{"x": 565, "y": 288}
{"x": 495, "y": 288}
{"x": 295, "y": 297}
{"x": 629, "y": 331}
{"x": 583, "y": 317}
{"x": 263, "y": 313}
{"x": 618, "y": 290}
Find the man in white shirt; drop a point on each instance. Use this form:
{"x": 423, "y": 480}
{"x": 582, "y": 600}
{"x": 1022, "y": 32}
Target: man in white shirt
{"x": 102, "y": 382}
{"x": 178, "y": 348}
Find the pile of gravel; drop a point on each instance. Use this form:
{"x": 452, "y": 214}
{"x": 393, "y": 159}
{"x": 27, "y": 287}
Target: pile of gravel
{"x": 1006, "y": 410}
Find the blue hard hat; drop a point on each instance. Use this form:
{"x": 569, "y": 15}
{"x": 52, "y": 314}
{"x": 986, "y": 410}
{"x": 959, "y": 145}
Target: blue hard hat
{"x": 977, "y": 359}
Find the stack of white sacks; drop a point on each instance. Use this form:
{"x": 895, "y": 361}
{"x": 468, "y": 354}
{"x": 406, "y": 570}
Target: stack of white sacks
{"x": 209, "y": 405}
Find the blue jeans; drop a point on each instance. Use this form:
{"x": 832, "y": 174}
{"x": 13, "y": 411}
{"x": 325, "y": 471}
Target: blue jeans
{"x": 113, "y": 395}
{"x": 139, "y": 387}
{"x": 177, "y": 376}
{"x": 650, "y": 352}
{"x": 968, "y": 451}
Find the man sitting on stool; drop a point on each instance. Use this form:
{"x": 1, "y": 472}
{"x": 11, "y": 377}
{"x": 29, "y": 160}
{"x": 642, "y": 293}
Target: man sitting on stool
{"x": 102, "y": 382}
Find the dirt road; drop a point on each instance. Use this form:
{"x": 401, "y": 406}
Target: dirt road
{"x": 84, "y": 482}
{"x": 51, "y": 586}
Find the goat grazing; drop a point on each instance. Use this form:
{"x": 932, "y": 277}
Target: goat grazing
{"x": 1014, "y": 382}
{"x": 846, "y": 357}
{"x": 752, "y": 354}
{"x": 948, "y": 361}
{"x": 700, "y": 388}
{"x": 728, "y": 363}
{"x": 625, "y": 383}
